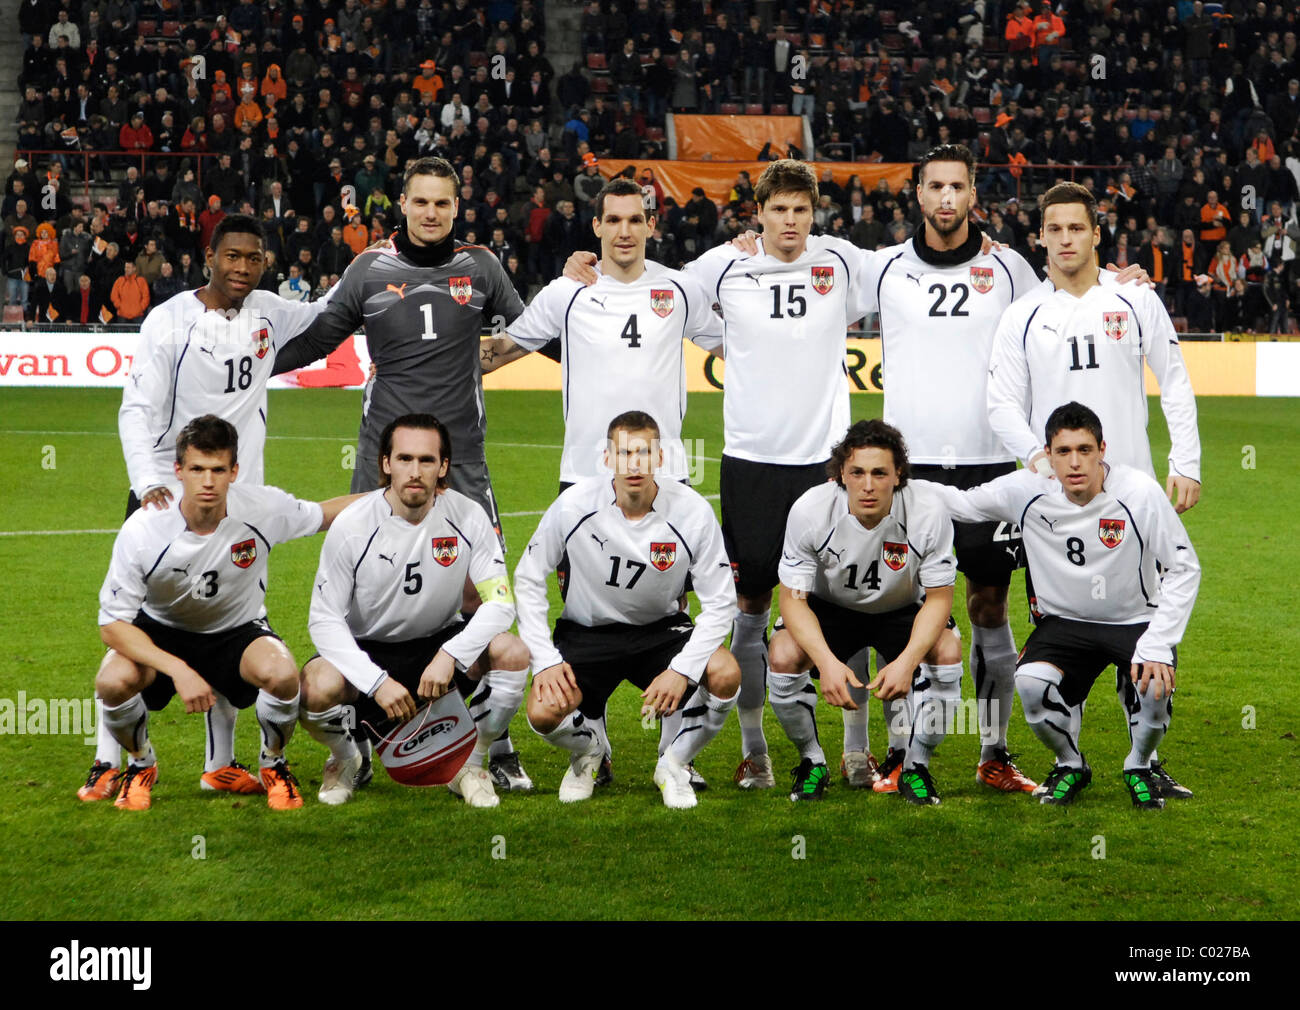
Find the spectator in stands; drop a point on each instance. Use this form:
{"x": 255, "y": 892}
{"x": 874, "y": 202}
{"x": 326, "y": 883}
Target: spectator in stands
{"x": 43, "y": 298}
{"x": 335, "y": 255}
{"x": 209, "y": 219}
{"x": 1155, "y": 258}
{"x": 84, "y": 306}
{"x": 149, "y": 262}
{"x": 1224, "y": 270}
{"x": 1215, "y": 219}
{"x": 168, "y": 284}
{"x": 130, "y": 295}
{"x": 135, "y": 135}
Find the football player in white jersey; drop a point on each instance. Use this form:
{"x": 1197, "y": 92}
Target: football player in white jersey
{"x": 621, "y": 348}
{"x": 631, "y": 542}
{"x": 867, "y": 562}
{"x": 385, "y": 612}
{"x": 1116, "y": 577}
{"x": 182, "y": 610}
{"x": 208, "y": 351}
{"x": 1080, "y": 337}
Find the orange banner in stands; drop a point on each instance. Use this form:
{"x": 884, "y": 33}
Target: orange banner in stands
{"x": 735, "y": 138}
{"x": 678, "y": 178}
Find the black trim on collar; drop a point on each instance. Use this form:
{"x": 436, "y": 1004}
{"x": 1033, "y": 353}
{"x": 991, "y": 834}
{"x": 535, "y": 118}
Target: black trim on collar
{"x": 968, "y": 250}
{"x": 425, "y": 255}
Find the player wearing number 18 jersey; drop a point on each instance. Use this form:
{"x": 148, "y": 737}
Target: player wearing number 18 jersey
{"x": 1095, "y": 536}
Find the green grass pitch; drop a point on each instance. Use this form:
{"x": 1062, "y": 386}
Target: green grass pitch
{"x": 1231, "y": 853}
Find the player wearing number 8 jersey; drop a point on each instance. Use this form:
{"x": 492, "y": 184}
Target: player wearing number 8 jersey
{"x": 1097, "y": 537}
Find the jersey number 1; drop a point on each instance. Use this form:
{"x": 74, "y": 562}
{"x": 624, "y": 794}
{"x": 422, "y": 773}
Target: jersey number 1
{"x": 429, "y": 333}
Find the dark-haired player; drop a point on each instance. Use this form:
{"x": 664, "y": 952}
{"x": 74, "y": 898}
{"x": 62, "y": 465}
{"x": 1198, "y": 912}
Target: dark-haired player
{"x": 385, "y": 612}
{"x": 1097, "y": 537}
{"x": 208, "y": 351}
{"x": 183, "y": 609}
{"x": 867, "y": 562}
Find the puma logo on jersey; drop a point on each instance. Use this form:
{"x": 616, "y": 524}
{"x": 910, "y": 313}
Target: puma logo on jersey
{"x": 1051, "y": 329}
{"x": 1051, "y": 523}
{"x": 320, "y": 586}
{"x": 208, "y": 351}
{"x": 599, "y": 301}
{"x": 399, "y": 289}
{"x": 116, "y": 589}
{"x": 388, "y": 558}
{"x": 599, "y": 541}
{"x": 838, "y": 554}
{"x": 914, "y": 278}
{"x": 183, "y": 571}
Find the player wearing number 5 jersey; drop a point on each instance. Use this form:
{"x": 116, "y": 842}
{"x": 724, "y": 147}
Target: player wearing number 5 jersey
{"x": 621, "y": 338}
{"x": 1094, "y": 537}
{"x": 1079, "y": 337}
{"x": 182, "y": 609}
{"x": 424, "y": 303}
{"x": 385, "y": 612}
{"x": 631, "y": 542}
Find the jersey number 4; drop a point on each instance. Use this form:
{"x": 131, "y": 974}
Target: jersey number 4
{"x": 630, "y": 333}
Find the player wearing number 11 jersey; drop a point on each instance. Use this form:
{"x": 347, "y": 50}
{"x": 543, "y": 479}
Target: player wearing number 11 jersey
{"x": 1094, "y": 537}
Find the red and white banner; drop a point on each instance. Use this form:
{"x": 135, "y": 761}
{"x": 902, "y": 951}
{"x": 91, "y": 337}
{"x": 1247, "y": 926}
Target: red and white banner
{"x": 74, "y": 358}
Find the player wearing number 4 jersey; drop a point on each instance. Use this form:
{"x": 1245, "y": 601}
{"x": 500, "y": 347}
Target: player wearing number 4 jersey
{"x": 182, "y": 610}
{"x": 631, "y": 542}
{"x": 385, "y": 613}
{"x": 867, "y": 562}
{"x": 1094, "y": 536}
{"x": 208, "y": 351}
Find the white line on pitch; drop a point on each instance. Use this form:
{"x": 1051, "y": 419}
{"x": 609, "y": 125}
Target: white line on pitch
{"x": 49, "y": 533}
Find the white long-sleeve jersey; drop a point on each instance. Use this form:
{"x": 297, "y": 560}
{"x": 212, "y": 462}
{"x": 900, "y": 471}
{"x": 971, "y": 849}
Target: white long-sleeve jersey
{"x": 383, "y": 578}
{"x": 1097, "y": 562}
{"x": 202, "y": 582}
{"x": 622, "y": 350}
{"x": 190, "y": 361}
{"x": 785, "y": 325}
{"x": 829, "y": 553}
{"x": 625, "y": 571}
{"x": 1052, "y": 348}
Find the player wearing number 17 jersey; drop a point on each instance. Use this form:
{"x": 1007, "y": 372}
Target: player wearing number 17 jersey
{"x": 1094, "y": 536}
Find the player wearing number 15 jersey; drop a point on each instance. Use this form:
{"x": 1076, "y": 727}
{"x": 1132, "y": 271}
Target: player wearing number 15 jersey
{"x": 385, "y": 612}
{"x": 867, "y": 562}
{"x": 1094, "y": 537}
{"x": 631, "y": 542}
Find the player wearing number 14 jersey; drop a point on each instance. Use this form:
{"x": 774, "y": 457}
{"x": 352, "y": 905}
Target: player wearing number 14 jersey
{"x": 1095, "y": 536}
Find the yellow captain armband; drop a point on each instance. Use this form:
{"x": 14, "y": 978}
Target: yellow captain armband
{"x": 495, "y": 590}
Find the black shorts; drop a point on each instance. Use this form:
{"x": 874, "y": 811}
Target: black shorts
{"x": 756, "y": 500}
{"x": 132, "y": 505}
{"x": 608, "y": 654}
{"x": 987, "y": 553}
{"x": 848, "y": 632}
{"x": 1082, "y": 650}
{"x": 405, "y": 663}
{"x": 214, "y": 656}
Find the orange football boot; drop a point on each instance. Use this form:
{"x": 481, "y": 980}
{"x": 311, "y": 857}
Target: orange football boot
{"x": 282, "y": 789}
{"x": 234, "y": 778}
{"x": 889, "y": 771}
{"x": 101, "y": 783}
{"x": 1001, "y": 773}
{"x": 137, "y": 785}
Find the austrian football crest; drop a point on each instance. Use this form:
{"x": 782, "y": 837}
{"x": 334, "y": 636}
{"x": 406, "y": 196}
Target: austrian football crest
{"x": 662, "y": 555}
{"x": 1111, "y": 532}
{"x": 444, "y": 550}
{"x": 461, "y": 289}
{"x": 661, "y": 300}
{"x": 894, "y": 555}
{"x": 243, "y": 553}
{"x": 823, "y": 279}
{"x": 1115, "y": 324}
{"x": 981, "y": 279}
{"x": 262, "y": 341}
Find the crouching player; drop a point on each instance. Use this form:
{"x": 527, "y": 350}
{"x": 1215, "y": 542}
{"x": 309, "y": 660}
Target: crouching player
{"x": 867, "y": 561}
{"x": 631, "y": 542}
{"x": 1094, "y": 536}
{"x": 385, "y": 613}
{"x": 183, "y": 611}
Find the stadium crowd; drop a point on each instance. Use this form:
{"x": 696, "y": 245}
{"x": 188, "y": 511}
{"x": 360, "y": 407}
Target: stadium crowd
{"x": 1181, "y": 117}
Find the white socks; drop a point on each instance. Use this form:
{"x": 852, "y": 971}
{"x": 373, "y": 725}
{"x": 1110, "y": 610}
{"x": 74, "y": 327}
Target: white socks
{"x": 107, "y": 750}
{"x": 220, "y": 723}
{"x": 276, "y": 718}
{"x": 1147, "y": 725}
{"x": 129, "y": 725}
{"x": 748, "y": 632}
{"x": 855, "y": 722}
{"x": 935, "y": 697}
{"x": 1054, "y": 722}
{"x": 701, "y": 720}
{"x": 794, "y": 700}
{"x": 493, "y": 705}
{"x": 574, "y": 734}
{"x": 328, "y": 727}
{"x": 993, "y": 670}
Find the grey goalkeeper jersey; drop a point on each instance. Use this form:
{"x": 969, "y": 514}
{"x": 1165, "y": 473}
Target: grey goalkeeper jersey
{"x": 424, "y": 310}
